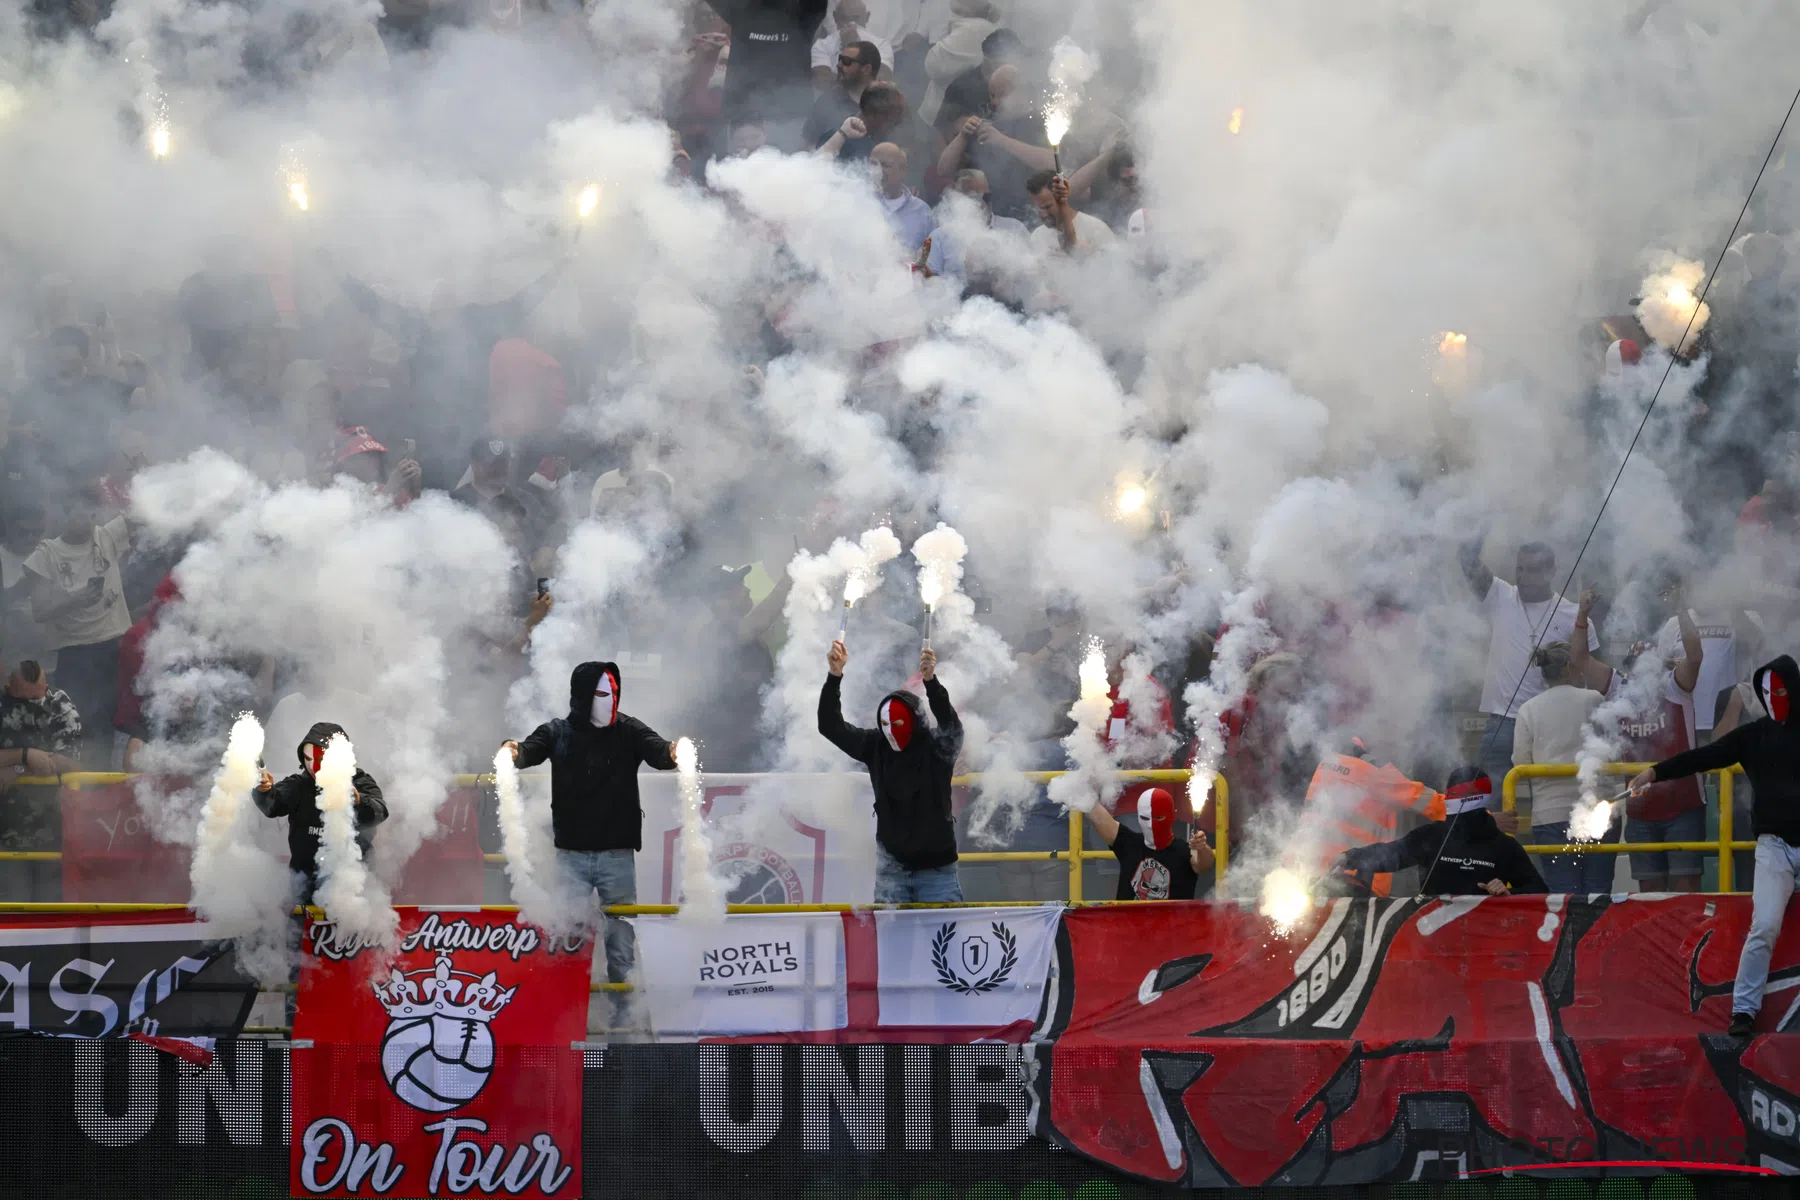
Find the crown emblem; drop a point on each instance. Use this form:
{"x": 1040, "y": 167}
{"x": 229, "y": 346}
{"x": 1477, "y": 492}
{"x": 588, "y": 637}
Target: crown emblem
{"x": 442, "y": 991}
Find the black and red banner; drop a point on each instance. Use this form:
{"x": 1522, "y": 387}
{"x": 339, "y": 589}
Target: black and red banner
{"x": 1196, "y": 1044}
{"x": 448, "y": 1067}
{"x": 158, "y": 973}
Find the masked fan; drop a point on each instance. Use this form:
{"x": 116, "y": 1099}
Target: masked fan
{"x": 1153, "y": 863}
{"x": 910, "y": 764}
{"x": 1769, "y": 752}
{"x": 297, "y": 799}
{"x": 594, "y": 755}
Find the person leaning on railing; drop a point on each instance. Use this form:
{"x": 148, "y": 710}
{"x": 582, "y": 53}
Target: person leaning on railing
{"x": 1769, "y": 751}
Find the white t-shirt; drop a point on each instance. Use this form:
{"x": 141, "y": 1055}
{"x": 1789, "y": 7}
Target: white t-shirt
{"x": 1718, "y": 666}
{"x": 1516, "y": 628}
{"x": 1552, "y": 726}
{"x": 825, "y": 51}
{"x": 1091, "y": 235}
{"x": 70, "y": 568}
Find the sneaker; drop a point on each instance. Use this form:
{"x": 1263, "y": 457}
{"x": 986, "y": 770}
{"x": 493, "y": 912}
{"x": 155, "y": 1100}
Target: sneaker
{"x": 1740, "y": 1025}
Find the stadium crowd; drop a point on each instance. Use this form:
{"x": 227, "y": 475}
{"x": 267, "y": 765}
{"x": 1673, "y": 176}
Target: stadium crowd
{"x": 467, "y": 397}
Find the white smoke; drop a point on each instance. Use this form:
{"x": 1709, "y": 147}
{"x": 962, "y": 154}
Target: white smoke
{"x": 530, "y": 848}
{"x": 1089, "y": 779}
{"x": 350, "y": 895}
{"x": 703, "y": 890}
{"x": 239, "y": 886}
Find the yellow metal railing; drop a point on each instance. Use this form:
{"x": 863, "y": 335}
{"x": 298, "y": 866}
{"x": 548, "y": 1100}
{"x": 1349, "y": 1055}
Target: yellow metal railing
{"x": 1723, "y": 847}
{"x": 1075, "y": 855}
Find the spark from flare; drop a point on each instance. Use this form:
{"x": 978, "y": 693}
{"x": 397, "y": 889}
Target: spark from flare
{"x": 1132, "y": 498}
{"x": 1285, "y": 899}
{"x": 1070, "y": 68}
{"x": 1236, "y": 124}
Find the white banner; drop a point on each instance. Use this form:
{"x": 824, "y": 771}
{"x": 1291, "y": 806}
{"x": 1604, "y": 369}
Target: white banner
{"x": 968, "y": 966}
{"x": 779, "y": 839}
{"x": 743, "y": 975}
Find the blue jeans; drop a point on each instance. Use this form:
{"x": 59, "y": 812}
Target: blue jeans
{"x": 1776, "y": 864}
{"x": 1573, "y": 874}
{"x": 1689, "y": 826}
{"x": 612, "y": 873}
{"x": 895, "y": 884}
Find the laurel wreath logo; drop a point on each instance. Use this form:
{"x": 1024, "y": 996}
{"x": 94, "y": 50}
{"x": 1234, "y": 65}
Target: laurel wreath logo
{"x": 940, "y": 960}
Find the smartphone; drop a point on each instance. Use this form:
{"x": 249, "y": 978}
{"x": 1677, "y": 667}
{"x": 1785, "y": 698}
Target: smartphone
{"x": 543, "y": 587}
{"x": 409, "y": 449}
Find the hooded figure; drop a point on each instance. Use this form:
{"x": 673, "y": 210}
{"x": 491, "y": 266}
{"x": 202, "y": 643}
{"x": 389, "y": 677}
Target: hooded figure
{"x": 297, "y": 799}
{"x": 1465, "y": 854}
{"x": 594, "y": 755}
{"x": 910, "y": 761}
{"x": 1769, "y": 752}
{"x": 1154, "y": 864}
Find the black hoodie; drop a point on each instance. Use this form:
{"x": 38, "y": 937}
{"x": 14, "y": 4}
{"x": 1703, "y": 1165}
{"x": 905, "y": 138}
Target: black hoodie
{"x": 297, "y": 799}
{"x": 593, "y": 772}
{"x": 1769, "y": 752}
{"x": 912, "y": 786}
{"x": 1468, "y": 850}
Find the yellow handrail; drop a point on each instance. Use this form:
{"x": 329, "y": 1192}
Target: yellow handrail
{"x": 1075, "y": 855}
{"x": 1723, "y": 847}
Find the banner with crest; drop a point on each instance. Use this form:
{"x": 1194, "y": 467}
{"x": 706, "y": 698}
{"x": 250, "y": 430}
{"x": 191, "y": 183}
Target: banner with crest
{"x": 449, "y": 1066}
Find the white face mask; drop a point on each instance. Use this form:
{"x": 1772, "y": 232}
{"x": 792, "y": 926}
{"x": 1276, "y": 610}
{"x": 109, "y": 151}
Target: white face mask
{"x": 606, "y": 703}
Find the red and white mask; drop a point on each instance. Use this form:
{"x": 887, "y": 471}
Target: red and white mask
{"x": 1774, "y": 695}
{"x": 897, "y": 722}
{"x": 314, "y": 757}
{"x": 606, "y": 701}
{"x": 1156, "y": 818}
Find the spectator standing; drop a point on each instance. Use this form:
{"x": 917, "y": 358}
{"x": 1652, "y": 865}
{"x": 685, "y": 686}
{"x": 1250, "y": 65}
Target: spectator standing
{"x": 1550, "y": 728}
{"x": 1664, "y": 812}
{"x": 910, "y": 766}
{"x": 77, "y": 595}
{"x": 768, "y": 74}
{"x": 908, "y": 216}
{"x": 1153, "y": 863}
{"x": 883, "y": 119}
{"x": 297, "y": 798}
{"x": 955, "y": 54}
{"x": 22, "y": 635}
{"x": 952, "y": 252}
{"x": 858, "y": 64}
{"x": 594, "y": 755}
{"x": 848, "y": 24}
{"x": 40, "y": 735}
{"x": 968, "y": 94}
{"x": 1520, "y": 617}
{"x": 1769, "y": 751}
{"x": 1063, "y": 230}
{"x": 1465, "y": 854}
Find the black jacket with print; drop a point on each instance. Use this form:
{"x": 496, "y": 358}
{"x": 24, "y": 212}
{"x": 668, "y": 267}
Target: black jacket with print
{"x": 1468, "y": 850}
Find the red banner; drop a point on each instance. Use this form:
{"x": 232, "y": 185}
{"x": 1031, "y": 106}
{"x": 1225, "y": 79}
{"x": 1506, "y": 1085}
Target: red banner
{"x": 448, "y": 867}
{"x": 444, "y": 1069}
{"x": 109, "y": 853}
{"x": 1377, "y": 1039}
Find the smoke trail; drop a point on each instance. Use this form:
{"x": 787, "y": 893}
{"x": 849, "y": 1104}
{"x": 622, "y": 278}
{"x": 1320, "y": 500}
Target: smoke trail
{"x": 526, "y": 838}
{"x": 348, "y": 893}
{"x": 237, "y": 884}
{"x": 1247, "y": 639}
{"x": 1671, "y": 299}
{"x": 1637, "y": 694}
{"x": 940, "y": 554}
{"x": 702, "y": 890}
{"x": 1091, "y": 763}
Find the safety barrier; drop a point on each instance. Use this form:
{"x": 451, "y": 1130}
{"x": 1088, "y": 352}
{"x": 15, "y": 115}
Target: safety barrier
{"x": 1075, "y": 855}
{"x": 1723, "y": 847}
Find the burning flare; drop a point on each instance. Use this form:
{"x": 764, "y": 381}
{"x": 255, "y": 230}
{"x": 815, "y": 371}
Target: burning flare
{"x": 218, "y": 841}
{"x": 588, "y": 201}
{"x": 1070, "y": 68}
{"x": 702, "y": 891}
{"x": 1285, "y": 898}
{"x": 1132, "y": 498}
{"x": 1090, "y": 762}
{"x": 939, "y": 554}
{"x": 347, "y": 892}
{"x": 1591, "y": 819}
{"x": 1453, "y": 345}
{"x": 1670, "y": 311}
{"x": 159, "y": 139}
{"x": 297, "y": 192}
{"x": 529, "y": 852}
{"x": 1236, "y": 124}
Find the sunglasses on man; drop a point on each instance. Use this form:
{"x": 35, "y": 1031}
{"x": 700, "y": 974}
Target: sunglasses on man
{"x": 849, "y": 60}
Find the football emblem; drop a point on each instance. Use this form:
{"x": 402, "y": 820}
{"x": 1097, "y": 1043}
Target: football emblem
{"x": 438, "y": 1051}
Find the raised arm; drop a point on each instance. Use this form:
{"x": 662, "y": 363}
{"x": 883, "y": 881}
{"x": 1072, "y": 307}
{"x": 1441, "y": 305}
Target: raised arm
{"x": 1687, "y": 671}
{"x": 857, "y": 743}
{"x": 956, "y": 150}
{"x": 1474, "y": 570}
{"x": 1081, "y": 183}
{"x": 833, "y": 146}
{"x": 949, "y": 725}
{"x": 1584, "y": 669}
{"x": 277, "y": 799}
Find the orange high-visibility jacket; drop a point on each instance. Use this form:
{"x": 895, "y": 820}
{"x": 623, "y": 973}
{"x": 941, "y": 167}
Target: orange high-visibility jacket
{"x": 1360, "y": 805}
